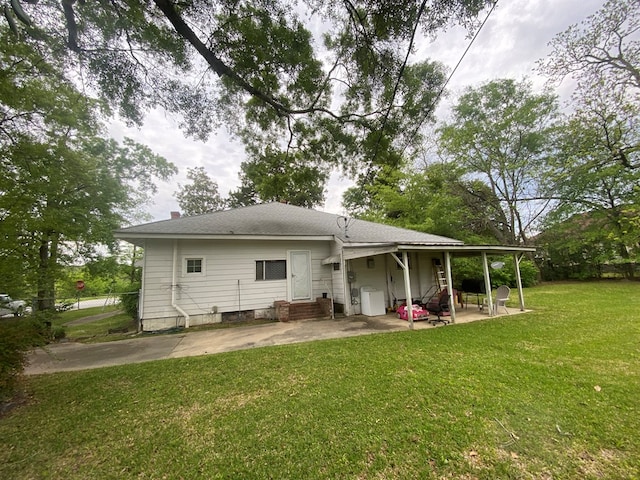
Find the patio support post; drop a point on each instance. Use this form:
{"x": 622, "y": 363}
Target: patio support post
{"x": 516, "y": 261}
{"x": 404, "y": 263}
{"x": 487, "y": 283}
{"x": 407, "y": 288}
{"x": 447, "y": 270}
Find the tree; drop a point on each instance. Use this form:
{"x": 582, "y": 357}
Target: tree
{"x": 434, "y": 199}
{"x": 201, "y": 196}
{"x": 588, "y": 180}
{"x": 348, "y": 92}
{"x": 503, "y": 132}
{"x": 597, "y": 174}
{"x": 64, "y": 188}
{"x": 276, "y": 176}
{"x": 603, "y": 56}
{"x": 605, "y": 46}
{"x": 577, "y": 247}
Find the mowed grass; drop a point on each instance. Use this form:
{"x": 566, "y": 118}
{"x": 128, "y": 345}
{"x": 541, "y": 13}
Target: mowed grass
{"x": 95, "y": 330}
{"x": 550, "y": 394}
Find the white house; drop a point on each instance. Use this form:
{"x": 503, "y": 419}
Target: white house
{"x": 273, "y": 260}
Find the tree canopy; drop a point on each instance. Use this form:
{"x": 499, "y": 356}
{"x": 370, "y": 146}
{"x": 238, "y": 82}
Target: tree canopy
{"x": 604, "y": 47}
{"x": 504, "y": 132}
{"x": 596, "y": 176}
{"x": 332, "y": 77}
{"x": 201, "y": 195}
{"x": 64, "y": 187}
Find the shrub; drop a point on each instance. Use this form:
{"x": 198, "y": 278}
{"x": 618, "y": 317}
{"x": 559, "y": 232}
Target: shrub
{"x": 472, "y": 268}
{"x": 58, "y": 333}
{"x": 17, "y": 338}
{"x": 130, "y": 299}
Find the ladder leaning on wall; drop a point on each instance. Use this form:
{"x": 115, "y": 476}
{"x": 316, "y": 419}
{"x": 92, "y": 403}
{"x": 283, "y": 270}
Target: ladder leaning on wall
{"x": 440, "y": 278}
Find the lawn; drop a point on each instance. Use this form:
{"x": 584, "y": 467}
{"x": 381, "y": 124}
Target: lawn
{"x": 97, "y": 330}
{"x": 554, "y": 393}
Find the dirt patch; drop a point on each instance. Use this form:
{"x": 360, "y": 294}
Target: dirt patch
{"x": 7, "y": 406}
{"x": 371, "y": 323}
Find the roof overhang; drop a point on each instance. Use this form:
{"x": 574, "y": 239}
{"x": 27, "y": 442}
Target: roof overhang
{"x": 469, "y": 250}
{"x": 140, "y": 238}
{"x": 360, "y": 251}
{"x": 353, "y": 251}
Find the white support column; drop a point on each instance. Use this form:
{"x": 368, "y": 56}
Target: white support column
{"x": 487, "y": 283}
{"x": 407, "y": 288}
{"x": 516, "y": 261}
{"x": 404, "y": 263}
{"x": 447, "y": 271}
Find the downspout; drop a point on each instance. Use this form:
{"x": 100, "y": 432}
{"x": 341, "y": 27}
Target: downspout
{"x": 174, "y": 285}
{"x": 142, "y": 290}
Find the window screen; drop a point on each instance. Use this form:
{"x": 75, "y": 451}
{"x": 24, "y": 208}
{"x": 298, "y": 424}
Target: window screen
{"x": 271, "y": 269}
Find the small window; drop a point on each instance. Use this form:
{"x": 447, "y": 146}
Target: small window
{"x": 271, "y": 269}
{"x": 194, "y": 265}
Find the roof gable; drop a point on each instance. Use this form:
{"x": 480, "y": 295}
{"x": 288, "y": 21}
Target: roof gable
{"x": 280, "y": 220}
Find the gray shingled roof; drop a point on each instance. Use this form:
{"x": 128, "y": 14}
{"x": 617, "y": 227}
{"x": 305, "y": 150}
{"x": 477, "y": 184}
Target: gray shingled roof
{"x": 278, "y": 219}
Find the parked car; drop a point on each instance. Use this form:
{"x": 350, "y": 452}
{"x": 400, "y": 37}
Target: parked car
{"x": 8, "y": 306}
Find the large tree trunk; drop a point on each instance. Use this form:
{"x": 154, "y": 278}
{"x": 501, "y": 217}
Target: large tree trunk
{"x": 46, "y": 271}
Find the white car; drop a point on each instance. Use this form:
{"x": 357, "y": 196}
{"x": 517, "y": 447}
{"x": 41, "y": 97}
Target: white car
{"x": 8, "y": 306}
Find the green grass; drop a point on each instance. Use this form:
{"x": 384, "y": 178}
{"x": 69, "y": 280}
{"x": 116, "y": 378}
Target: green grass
{"x": 96, "y": 330}
{"x": 70, "y": 315}
{"x": 550, "y": 394}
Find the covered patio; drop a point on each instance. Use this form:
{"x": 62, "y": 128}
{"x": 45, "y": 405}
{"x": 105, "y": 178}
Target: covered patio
{"x": 391, "y": 322}
{"x": 416, "y": 278}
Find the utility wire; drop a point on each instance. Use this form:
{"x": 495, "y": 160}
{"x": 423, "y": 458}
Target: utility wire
{"x": 435, "y": 101}
{"x": 444, "y": 85}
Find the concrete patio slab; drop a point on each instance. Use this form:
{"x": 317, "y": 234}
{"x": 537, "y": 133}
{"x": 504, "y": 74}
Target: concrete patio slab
{"x": 78, "y": 356}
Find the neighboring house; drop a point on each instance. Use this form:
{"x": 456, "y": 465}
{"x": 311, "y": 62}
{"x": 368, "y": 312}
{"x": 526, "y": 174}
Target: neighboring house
{"x": 272, "y": 259}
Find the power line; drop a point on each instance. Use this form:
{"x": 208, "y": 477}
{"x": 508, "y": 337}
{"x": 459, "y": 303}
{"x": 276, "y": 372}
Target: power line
{"x": 444, "y": 85}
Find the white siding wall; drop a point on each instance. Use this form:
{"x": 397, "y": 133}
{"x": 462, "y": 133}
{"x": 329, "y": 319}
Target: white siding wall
{"x": 421, "y": 275}
{"x": 368, "y": 277}
{"x": 384, "y": 274}
{"x": 157, "y": 280}
{"x": 228, "y": 282}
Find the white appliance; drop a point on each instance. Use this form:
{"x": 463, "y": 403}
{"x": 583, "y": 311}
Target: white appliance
{"x": 372, "y": 301}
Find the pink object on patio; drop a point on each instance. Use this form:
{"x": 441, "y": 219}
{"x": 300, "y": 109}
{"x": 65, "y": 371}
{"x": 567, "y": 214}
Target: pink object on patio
{"x": 419, "y": 313}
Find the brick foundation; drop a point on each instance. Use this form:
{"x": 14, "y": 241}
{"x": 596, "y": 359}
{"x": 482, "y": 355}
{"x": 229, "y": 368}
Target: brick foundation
{"x": 282, "y": 310}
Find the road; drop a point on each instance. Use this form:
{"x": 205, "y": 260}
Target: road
{"x": 94, "y": 302}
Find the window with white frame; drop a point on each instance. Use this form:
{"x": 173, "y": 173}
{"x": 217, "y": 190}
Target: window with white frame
{"x": 193, "y": 266}
{"x": 271, "y": 269}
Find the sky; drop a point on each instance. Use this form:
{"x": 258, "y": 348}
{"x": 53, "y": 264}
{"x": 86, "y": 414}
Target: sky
{"x": 513, "y": 39}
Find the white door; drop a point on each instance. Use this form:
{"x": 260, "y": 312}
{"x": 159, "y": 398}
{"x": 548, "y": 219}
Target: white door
{"x": 300, "y": 280}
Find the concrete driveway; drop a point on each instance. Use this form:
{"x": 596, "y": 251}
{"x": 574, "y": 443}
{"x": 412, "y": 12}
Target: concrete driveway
{"x": 78, "y": 356}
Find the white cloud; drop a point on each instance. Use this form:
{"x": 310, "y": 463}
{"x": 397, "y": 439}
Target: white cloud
{"x": 514, "y": 38}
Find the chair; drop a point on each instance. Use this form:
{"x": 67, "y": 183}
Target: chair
{"x": 502, "y": 296}
{"x": 439, "y": 306}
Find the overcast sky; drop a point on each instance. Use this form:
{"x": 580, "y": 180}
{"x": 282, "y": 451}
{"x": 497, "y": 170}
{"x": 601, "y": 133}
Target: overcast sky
{"x": 514, "y": 38}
